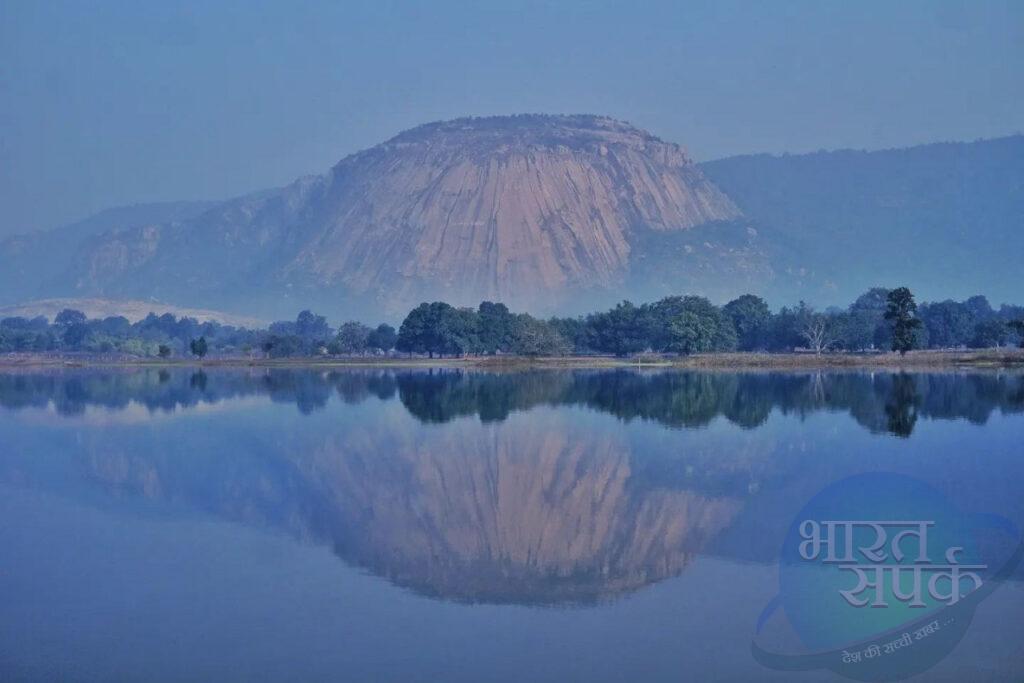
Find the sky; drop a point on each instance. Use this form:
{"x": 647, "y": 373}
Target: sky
{"x": 113, "y": 103}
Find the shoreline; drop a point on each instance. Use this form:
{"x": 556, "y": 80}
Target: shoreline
{"x": 914, "y": 360}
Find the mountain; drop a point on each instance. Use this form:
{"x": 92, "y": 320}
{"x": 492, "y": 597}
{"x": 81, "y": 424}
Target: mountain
{"x": 555, "y": 214}
{"x": 944, "y": 219}
{"x": 36, "y": 264}
{"x": 543, "y": 212}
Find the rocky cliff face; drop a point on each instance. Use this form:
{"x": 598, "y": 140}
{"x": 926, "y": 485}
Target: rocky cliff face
{"x": 531, "y": 210}
{"x": 502, "y": 206}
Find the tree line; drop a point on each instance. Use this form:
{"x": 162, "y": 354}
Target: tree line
{"x": 879, "y": 319}
{"x": 167, "y": 336}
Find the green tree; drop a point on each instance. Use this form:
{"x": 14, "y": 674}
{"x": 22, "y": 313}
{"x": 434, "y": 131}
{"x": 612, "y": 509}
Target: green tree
{"x": 865, "y": 325}
{"x": 199, "y": 347}
{"x": 750, "y": 316}
{"x": 352, "y": 338}
{"x": 438, "y": 328}
{"x": 654, "y": 321}
{"x": 69, "y": 317}
{"x": 382, "y": 338}
{"x": 312, "y": 327}
{"x": 495, "y": 327}
{"x": 619, "y": 331}
{"x": 75, "y": 334}
{"x": 701, "y": 327}
{"x": 784, "y": 329}
{"x": 574, "y": 331}
{"x": 164, "y": 351}
{"x": 950, "y": 324}
{"x": 282, "y": 345}
{"x": 1018, "y": 327}
{"x": 901, "y": 312}
{"x": 413, "y": 332}
{"x": 691, "y": 333}
{"x": 532, "y": 337}
{"x": 979, "y": 308}
{"x": 465, "y": 332}
{"x": 989, "y": 333}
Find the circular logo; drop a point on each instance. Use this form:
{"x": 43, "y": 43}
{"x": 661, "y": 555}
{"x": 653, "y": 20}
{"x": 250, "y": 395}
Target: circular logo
{"x": 879, "y": 577}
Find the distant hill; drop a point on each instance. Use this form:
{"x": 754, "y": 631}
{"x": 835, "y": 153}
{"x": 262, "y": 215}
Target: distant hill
{"x": 543, "y": 212}
{"x": 946, "y": 219}
{"x": 36, "y": 264}
{"x": 133, "y": 310}
{"x": 546, "y": 213}
{"x": 555, "y": 214}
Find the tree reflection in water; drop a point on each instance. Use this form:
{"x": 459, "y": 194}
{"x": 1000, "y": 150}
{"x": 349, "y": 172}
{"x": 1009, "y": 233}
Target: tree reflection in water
{"x": 552, "y": 508}
{"x": 881, "y": 402}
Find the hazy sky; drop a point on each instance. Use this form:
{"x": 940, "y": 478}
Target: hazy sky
{"x": 120, "y": 102}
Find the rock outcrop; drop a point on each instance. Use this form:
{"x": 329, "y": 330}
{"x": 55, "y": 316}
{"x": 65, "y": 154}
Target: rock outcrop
{"x": 531, "y": 210}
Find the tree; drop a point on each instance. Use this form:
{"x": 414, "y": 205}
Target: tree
{"x": 865, "y": 325}
{"x": 532, "y": 337}
{"x": 574, "y": 331}
{"x": 438, "y": 328}
{"x": 784, "y": 329}
{"x": 901, "y": 312}
{"x": 382, "y": 338}
{"x": 691, "y": 333}
{"x": 75, "y": 334}
{"x": 69, "y": 317}
{"x": 413, "y": 332}
{"x": 989, "y": 333}
{"x": 818, "y": 331}
{"x": 351, "y": 338}
{"x": 949, "y": 324}
{"x": 37, "y": 324}
{"x": 979, "y": 308}
{"x": 198, "y": 347}
{"x": 115, "y": 326}
{"x": 311, "y": 327}
{"x": 495, "y": 327}
{"x": 654, "y": 321}
{"x": 465, "y": 330}
{"x": 164, "y": 351}
{"x": 1018, "y": 327}
{"x": 701, "y": 327}
{"x": 750, "y": 316}
{"x": 619, "y": 331}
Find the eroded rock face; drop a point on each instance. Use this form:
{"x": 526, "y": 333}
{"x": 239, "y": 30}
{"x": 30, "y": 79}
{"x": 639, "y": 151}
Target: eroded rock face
{"x": 504, "y": 206}
{"x": 530, "y": 210}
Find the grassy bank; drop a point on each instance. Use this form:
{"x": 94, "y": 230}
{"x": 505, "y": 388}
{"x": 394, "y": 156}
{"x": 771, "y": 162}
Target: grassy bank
{"x": 987, "y": 358}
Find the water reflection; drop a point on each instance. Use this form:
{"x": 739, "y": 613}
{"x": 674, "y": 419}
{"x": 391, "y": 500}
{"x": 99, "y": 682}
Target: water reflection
{"x": 557, "y": 513}
{"x": 880, "y": 402}
{"x": 548, "y": 507}
{"x": 305, "y": 515}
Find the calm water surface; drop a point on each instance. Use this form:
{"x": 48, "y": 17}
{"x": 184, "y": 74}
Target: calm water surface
{"x": 448, "y": 525}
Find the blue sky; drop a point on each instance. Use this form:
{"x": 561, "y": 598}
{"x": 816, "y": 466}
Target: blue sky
{"x": 119, "y": 102}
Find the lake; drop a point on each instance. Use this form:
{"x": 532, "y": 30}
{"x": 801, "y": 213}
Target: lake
{"x": 459, "y": 525}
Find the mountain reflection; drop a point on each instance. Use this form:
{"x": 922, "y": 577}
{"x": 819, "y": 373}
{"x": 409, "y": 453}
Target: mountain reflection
{"x": 551, "y": 507}
{"x": 881, "y": 402}
{"x": 555, "y": 514}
